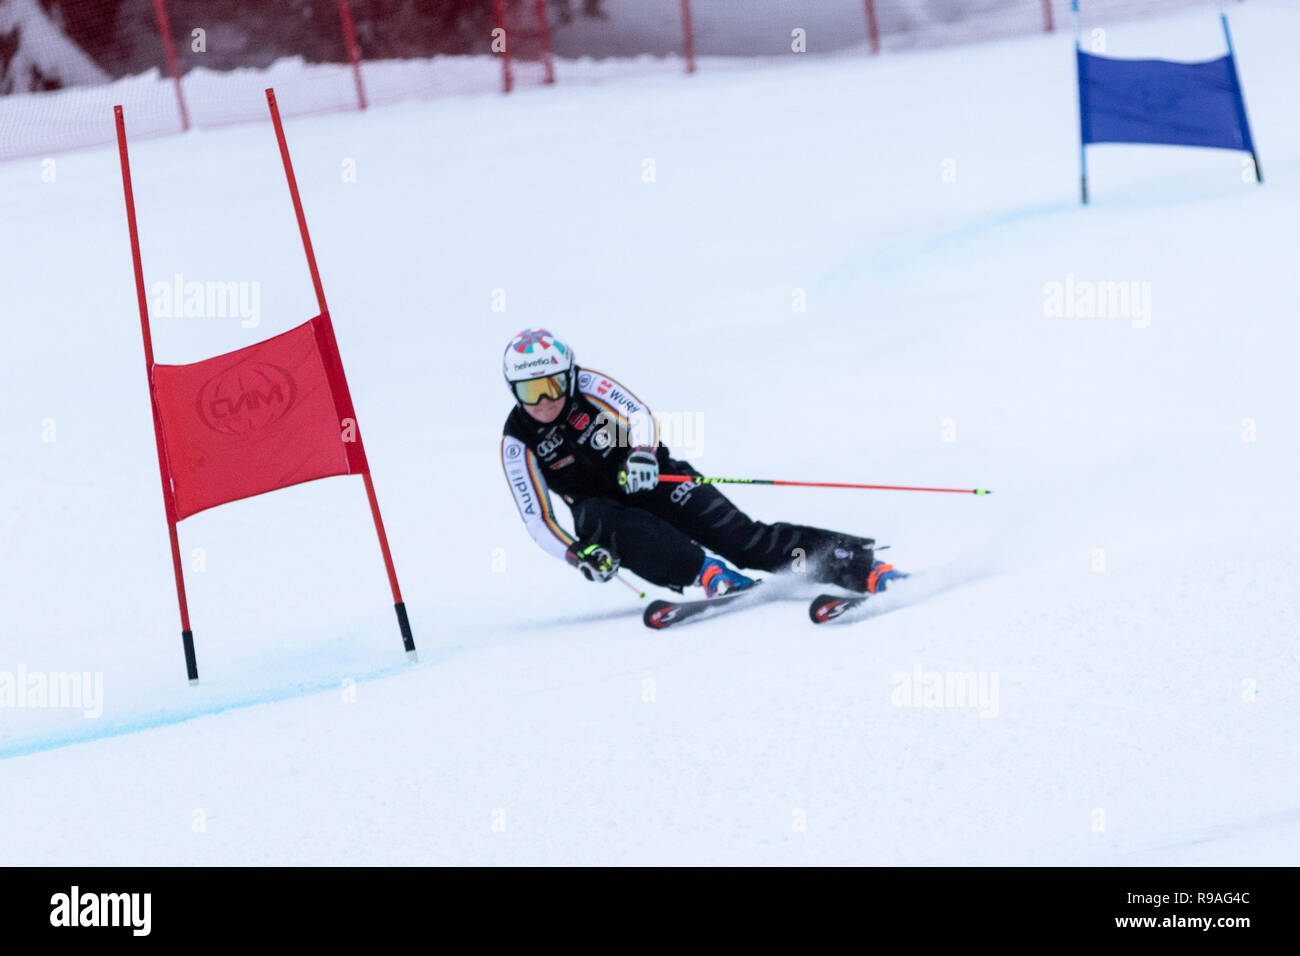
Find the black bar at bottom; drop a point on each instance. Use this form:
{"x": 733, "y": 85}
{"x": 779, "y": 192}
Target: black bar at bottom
{"x": 1242, "y": 905}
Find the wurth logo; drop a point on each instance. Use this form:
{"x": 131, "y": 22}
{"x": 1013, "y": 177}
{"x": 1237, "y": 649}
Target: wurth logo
{"x": 246, "y": 398}
{"x": 625, "y": 400}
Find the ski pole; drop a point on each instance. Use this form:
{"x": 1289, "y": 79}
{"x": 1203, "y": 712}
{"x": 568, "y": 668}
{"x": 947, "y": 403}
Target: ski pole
{"x": 628, "y": 584}
{"x": 701, "y": 480}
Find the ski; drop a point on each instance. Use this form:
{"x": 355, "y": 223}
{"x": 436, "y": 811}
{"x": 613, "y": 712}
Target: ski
{"x": 661, "y": 614}
{"x": 828, "y": 607}
{"x": 832, "y": 607}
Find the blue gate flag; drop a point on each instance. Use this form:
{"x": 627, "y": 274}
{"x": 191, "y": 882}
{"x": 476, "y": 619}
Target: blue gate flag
{"x": 1162, "y": 102}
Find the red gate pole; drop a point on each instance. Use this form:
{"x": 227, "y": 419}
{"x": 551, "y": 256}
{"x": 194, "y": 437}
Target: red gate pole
{"x": 1049, "y": 25}
{"x": 688, "y": 36}
{"x": 165, "y": 27}
{"x": 164, "y": 471}
{"x": 544, "y": 29}
{"x": 398, "y": 604}
{"x": 499, "y": 16}
{"x": 354, "y": 50}
{"x": 873, "y": 28}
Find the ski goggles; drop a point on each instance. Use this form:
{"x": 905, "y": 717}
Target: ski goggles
{"x": 535, "y": 389}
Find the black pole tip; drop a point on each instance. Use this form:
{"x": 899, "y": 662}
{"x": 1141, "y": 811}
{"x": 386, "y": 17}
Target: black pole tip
{"x": 191, "y": 662}
{"x": 404, "y": 624}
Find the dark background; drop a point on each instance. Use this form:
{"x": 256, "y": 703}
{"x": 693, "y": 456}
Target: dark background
{"x": 122, "y": 36}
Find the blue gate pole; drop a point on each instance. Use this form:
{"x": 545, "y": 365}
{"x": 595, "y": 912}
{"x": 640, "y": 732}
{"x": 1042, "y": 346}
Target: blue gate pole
{"x": 1078, "y": 75}
{"x": 1241, "y": 99}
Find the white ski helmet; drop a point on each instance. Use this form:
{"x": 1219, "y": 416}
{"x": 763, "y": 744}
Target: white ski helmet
{"x": 537, "y": 365}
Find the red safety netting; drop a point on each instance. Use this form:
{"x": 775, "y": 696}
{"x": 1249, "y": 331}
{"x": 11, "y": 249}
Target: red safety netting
{"x": 521, "y": 35}
{"x": 64, "y": 66}
{"x": 908, "y": 24}
{"x": 173, "y": 64}
{"x": 765, "y": 27}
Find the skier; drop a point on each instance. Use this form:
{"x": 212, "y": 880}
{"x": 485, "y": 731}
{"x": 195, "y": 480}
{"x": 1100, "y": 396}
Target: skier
{"x": 580, "y": 433}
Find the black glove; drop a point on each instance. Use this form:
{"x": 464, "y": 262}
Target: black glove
{"x": 641, "y": 471}
{"x": 595, "y": 562}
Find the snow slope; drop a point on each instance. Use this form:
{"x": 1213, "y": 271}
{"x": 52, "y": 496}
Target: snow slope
{"x": 1130, "y": 587}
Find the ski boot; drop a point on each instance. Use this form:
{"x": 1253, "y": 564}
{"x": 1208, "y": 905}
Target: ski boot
{"x": 880, "y": 576}
{"x": 717, "y": 579}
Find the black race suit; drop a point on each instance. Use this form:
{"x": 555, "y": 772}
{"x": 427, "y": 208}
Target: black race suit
{"x": 660, "y": 534}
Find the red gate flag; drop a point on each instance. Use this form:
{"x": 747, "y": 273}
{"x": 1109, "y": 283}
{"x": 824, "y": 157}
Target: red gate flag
{"x": 274, "y": 414}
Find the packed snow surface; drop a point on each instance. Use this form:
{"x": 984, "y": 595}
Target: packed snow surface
{"x": 1122, "y": 609}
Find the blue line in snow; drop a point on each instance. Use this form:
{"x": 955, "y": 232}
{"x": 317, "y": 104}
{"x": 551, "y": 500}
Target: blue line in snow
{"x": 101, "y": 730}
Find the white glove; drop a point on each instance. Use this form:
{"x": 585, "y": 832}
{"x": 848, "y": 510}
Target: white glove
{"x": 641, "y": 472}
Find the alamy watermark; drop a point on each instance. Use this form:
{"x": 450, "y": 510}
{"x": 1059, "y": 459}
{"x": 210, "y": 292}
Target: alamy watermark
{"x": 1107, "y": 299}
{"x": 946, "y": 689}
{"x": 179, "y": 299}
{"x": 75, "y": 690}
{"x": 683, "y": 432}
{"x": 133, "y": 911}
